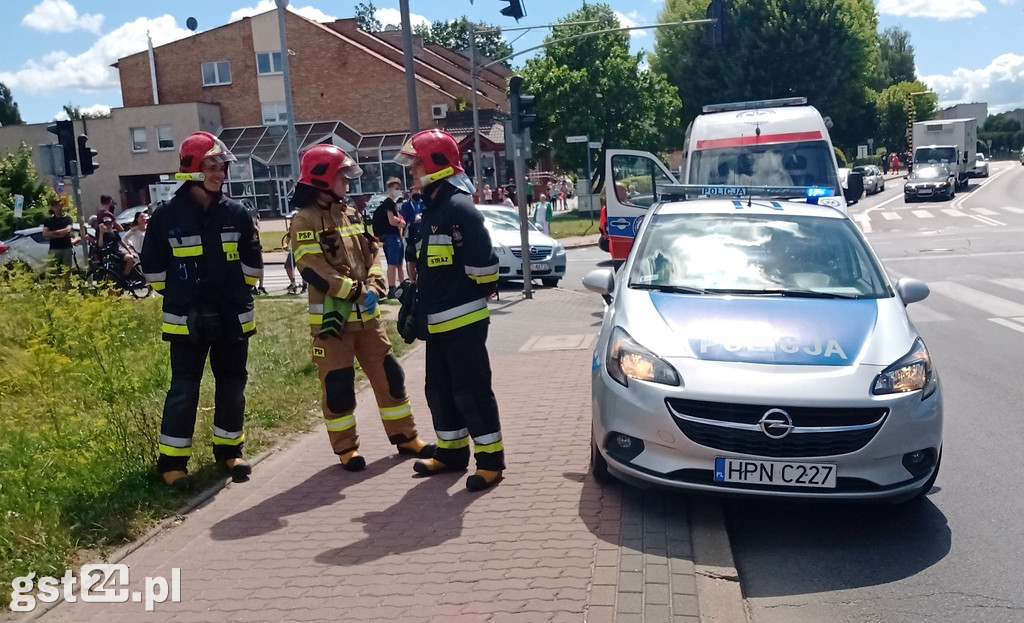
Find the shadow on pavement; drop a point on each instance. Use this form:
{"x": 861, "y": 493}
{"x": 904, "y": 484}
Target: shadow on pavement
{"x": 323, "y": 488}
{"x": 793, "y": 548}
{"x": 426, "y": 516}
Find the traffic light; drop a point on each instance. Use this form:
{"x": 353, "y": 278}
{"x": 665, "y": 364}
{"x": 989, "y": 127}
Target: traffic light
{"x": 86, "y": 164}
{"x": 65, "y": 131}
{"x": 716, "y": 30}
{"x": 514, "y": 9}
{"x": 521, "y": 106}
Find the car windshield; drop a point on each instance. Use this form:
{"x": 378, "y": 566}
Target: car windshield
{"x": 783, "y": 255}
{"x": 926, "y": 172}
{"x": 928, "y": 155}
{"x": 808, "y": 163}
{"x": 864, "y": 170}
{"x": 501, "y": 220}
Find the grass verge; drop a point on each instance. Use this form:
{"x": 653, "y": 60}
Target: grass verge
{"x": 82, "y": 384}
{"x": 573, "y": 223}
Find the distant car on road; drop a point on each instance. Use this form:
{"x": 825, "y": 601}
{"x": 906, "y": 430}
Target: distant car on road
{"x": 759, "y": 348}
{"x": 928, "y": 181}
{"x": 28, "y": 249}
{"x": 874, "y": 181}
{"x": 546, "y": 255}
{"x": 980, "y": 166}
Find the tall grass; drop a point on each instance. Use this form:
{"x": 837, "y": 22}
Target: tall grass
{"x": 82, "y": 384}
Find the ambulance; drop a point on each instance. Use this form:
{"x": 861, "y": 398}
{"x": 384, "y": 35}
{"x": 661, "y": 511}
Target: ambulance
{"x": 772, "y": 143}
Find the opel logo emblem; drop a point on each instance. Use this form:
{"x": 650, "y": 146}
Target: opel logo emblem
{"x": 775, "y": 423}
{"x": 533, "y": 250}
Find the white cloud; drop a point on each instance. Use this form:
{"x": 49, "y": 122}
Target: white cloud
{"x": 263, "y": 6}
{"x": 91, "y": 70}
{"x": 96, "y": 109}
{"x": 394, "y": 17}
{"x": 938, "y": 9}
{"x": 628, "y": 21}
{"x": 60, "y": 16}
{"x": 1001, "y": 84}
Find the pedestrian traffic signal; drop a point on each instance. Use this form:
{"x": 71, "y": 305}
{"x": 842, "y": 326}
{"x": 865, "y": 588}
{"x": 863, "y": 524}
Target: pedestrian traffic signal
{"x": 85, "y": 156}
{"x": 514, "y": 9}
{"x": 716, "y": 30}
{"x": 65, "y": 131}
{"x": 521, "y": 106}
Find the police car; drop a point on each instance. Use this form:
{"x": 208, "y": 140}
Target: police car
{"x": 754, "y": 345}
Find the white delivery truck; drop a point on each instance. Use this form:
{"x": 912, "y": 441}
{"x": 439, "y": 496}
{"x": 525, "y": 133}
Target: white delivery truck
{"x": 947, "y": 141}
{"x": 780, "y": 142}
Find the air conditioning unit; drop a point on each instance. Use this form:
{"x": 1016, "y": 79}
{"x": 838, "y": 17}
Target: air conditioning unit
{"x": 439, "y": 111}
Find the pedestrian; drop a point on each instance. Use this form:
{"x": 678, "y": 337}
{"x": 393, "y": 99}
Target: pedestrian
{"x": 108, "y": 207}
{"x": 885, "y": 162}
{"x": 57, "y": 230}
{"x": 388, "y": 226}
{"x": 542, "y": 214}
{"x": 457, "y": 273}
{"x": 895, "y": 164}
{"x": 202, "y": 253}
{"x": 341, "y": 263}
{"x": 289, "y": 260}
{"x": 112, "y": 245}
{"x": 506, "y": 200}
{"x": 529, "y": 194}
{"x": 136, "y": 234}
{"x": 412, "y": 213}
{"x": 487, "y": 194}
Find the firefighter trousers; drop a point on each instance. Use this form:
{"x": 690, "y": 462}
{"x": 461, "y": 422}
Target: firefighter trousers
{"x": 228, "y": 358}
{"x": 368, "y": 343}
{"x": 461, "y": 401}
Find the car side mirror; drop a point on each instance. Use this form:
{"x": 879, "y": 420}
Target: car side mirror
{"x": 601, "y": 280}
{"x": 912, "y": 290}
{"x": 854, "y": 187}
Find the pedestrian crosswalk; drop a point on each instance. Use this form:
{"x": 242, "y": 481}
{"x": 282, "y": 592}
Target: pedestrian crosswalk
{"x": 932, "y": 212}
{"x": 999, "y": 308}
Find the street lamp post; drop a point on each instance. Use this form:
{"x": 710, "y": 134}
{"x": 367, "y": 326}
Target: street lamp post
{"x": 293, "y": 143}
{"x": 410, "y": 70}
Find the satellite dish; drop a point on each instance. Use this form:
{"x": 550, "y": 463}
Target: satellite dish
{"x": 192, "y": 24}
{"x": 391, "y": 27}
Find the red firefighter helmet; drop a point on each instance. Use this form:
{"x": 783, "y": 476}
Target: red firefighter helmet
{"x": 200, "y": 146}
{"x": 437, "y": 150}
{"x": 320, "y": 164}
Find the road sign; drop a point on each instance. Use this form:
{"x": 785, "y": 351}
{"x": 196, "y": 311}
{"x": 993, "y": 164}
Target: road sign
{"x": 19, "y": 205}
{"x": 594, "y": 144}
{"x": 576, "y": 139}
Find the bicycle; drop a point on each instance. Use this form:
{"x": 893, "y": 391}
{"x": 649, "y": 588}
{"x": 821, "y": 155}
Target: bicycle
{"x": 106, "y": 273}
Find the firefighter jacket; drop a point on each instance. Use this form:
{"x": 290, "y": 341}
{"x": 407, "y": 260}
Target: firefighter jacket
{"x": 205, "y": 264}
{"x": 337, "y": 257}
{"x": 457, "y": 269}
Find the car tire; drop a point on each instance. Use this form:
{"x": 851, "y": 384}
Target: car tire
{"x": 550, "y": 282}
{"x": 598, "y": 464}
{"x": 602, "y": 243}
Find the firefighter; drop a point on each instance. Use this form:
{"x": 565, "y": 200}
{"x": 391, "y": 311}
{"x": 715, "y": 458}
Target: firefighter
{"x": 340, "y": 261}
{"x": 457, "y": 271}
{"x": 203, "y": 255}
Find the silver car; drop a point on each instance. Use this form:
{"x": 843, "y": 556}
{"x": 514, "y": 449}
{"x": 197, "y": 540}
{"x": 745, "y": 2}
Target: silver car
{"x": 29, "y": 249}
{"x": 757, "y": 347}
{"x": 874, "y": 181}
{"x": 547, "y": 255}
{"x": 980, "y": 166}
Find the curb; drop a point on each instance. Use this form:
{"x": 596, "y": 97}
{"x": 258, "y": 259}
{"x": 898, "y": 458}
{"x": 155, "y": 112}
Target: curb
{"x": 719, "y": 593}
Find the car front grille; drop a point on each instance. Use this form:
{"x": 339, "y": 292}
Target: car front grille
{"x": 816, "y": 431}
{"x": 536, "y": 253}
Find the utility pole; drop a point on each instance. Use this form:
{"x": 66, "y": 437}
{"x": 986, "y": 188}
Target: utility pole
{"x": 293, "y": 143}
{"x": 410, "y": 70}
{"x": 476, "y": 111}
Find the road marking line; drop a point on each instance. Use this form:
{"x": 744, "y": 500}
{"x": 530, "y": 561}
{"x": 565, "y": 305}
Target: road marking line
{"x": 1010, "y": 282}
{"x": 987, "y": 220}
{"x": 984, "y": 211}
{"x": 977, "y": 299}
{"x": 953, "y": 212}
{"x": 891, "y": 216}
{"x": 1008, "y": 324}
{"x": 923, "y": 313}
{"x": 1013, "y": 209}
{"x": 922, "y": 214}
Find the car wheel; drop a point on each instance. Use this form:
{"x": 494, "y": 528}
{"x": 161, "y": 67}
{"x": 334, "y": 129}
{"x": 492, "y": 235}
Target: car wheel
{"x": 598, "y": 464}
{"x": 602, "y": 243}
{"x": 550, "y": 282}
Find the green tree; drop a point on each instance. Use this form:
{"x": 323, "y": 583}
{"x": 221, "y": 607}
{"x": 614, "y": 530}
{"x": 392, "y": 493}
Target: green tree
{"x": 454, "y": 35}
{"x": 824, "y": 50}
{"x": 9, "y": 114}
{"x": 18, "y": 176}
{"x": 891, "y": 107}
{"x": 594, "y": 86}
{"x": 366, "y": 19}
{"x": 895, "y": 59}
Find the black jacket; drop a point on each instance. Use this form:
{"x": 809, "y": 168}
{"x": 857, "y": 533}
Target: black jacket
{"x": 456, "y": 266}
{"x": 204, "y": 262}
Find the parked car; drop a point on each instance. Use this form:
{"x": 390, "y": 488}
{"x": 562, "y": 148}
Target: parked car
{"x": 874, "y": 181}
{"x": 927, "y": 181}
{"x": 759, "y": 348}
{"x": 980, "y": 166}
{"x": 28, "y": 248}
{"x": 547, "y": 255}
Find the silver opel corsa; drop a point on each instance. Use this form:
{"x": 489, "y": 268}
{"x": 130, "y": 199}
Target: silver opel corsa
{"x": 757, "y": 347}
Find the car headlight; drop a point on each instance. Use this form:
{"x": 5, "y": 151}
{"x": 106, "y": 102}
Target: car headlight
{"x": 558, "y": 249}
{"x": 912, "y": 372}
{"x": 625, "y": 359}
{"x": 498, "y": 250}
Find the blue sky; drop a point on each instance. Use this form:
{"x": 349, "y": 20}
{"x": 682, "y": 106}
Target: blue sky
{"x": 60, "y": 51}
